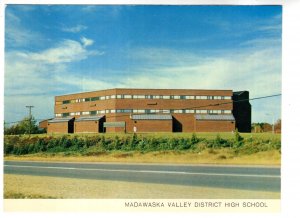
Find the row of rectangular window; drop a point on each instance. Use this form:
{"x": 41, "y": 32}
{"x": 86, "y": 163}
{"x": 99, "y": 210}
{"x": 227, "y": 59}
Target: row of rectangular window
{"x": 190, "y": 97}
{"x": 147, "y": 111}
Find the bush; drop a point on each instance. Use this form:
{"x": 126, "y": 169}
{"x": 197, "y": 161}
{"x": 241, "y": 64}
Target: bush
{"x": 238, "y": 140}
{"x": 89, "y": 145}
{"x": 218, "y": 142}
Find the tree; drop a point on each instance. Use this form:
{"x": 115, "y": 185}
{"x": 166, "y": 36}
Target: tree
{"x": 25, "y": 126}
{"x": 277, "y": 126}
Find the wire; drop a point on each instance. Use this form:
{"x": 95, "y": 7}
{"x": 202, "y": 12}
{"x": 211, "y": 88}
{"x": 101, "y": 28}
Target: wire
{"x": 209, "y": 105}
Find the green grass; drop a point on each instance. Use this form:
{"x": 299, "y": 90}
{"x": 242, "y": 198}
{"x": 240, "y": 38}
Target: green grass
{"x": 110, "y": 147}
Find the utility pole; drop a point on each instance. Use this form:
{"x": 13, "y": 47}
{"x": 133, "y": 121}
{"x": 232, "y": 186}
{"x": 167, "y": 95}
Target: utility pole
{"x": 273, "y": 122}
{"x": 30, "y": 117}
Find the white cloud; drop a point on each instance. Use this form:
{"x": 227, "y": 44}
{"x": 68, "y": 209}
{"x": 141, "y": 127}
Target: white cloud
{"x": 255, "y": 70}
{"x": 33, "y": 76}
{"x": 15, "y": 33}
{"x": 74, "y": 29}
{"x": 86, "y": 42}
{"x": 66, "y": 51}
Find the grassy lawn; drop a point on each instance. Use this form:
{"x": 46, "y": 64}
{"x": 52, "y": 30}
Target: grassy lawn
{"x": 23, "y": 186}
{"x": 221, "y": 156}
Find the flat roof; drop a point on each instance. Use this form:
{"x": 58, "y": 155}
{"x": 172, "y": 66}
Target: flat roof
{"x": 89, "y": 118}
{"x": 229, "y": 117}
{"x": 60, "y": 119}
{"x": 151, "y": 117}
{"x": 147, "y": 89}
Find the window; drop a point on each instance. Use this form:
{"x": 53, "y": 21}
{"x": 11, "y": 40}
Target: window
{"x": 113, "y": 96}
{"x": 123, "y": 110}
{"x": 213, "y": 111}
{"x": 178, "y": 111}
{"x": 201, "y": 111}
{"x": 166, "y": 111}
{"x": 127, "y": 110}
{"x": 77, "y": 113}
{"x": 217, "y": 97}
{"x": 77, "y": 100}
{"x": 73, "y": 101}
{"x": 93, "y": 112}
{"x": 112, "y": 111}
{"x": 227, "y": 97}
{"x": 102, "y": 97}
{"x": 87, "y": 99}
{"x": 107, "y": 97}
{"x": 156, "y": 96}
{"x": 107, "y": 111}
{"x": 85, "y": 113}
{"x": 65, "y": 114}
{"x": 66, "y": 102}
{"x": 119, "y": 96}
{"x": 101, "y": 112}
{"x": 94, "y": 98}
{"x": 201, "y": 97}
{"x": 149, "y": 96}
{"x": 210, "y": 97}
{"x": 127, "y": 96}
{"x": 147, "y": 111}
{"x": 57, "y": 115}
{"x": 189, "y": 97}
{"x": 138, "y": 111}
{"x": 190, "y": 111}
{"x": 166, "y": 96}
{"x": 154, "y": 111}
{"x": 226, "y": 111}
{"x": 138, "y": 96}
{"x": 182, "y": 96}
{"x": 72, "y": 113}
{"x": 176, "y": 97}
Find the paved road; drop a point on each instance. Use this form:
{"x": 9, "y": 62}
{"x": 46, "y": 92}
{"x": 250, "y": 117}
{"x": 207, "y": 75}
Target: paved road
{"x": 235, "y": 177}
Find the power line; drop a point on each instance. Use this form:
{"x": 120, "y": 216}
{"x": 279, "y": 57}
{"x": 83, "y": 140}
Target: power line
{"x": 209, "y": 105}
{"x": 30, "y": 118}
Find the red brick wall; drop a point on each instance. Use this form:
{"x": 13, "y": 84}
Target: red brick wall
{"x": 152, "y": 126}
{"x": 58, "y": 127}
{"x": 86, "y": 126}
{"x": 187, "y": 121}
{"x": 43, "y": 124}
{"x": 214, "y": 126}
{"x": 143, "y": 103}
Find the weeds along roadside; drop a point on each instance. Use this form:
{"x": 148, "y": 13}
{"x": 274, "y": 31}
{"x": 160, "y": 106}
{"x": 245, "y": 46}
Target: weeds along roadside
{"x": 93, "y": 145}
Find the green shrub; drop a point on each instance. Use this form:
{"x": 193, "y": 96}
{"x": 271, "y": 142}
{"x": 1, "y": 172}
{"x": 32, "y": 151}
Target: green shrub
{"x": 194, "y": 139}
{"x": 134, "y": 141}
{"x": 238, "y": 139}
{"x": 8, "y": 148}
{"x": 117, "y": 143}
{"x": 92, "y": 145}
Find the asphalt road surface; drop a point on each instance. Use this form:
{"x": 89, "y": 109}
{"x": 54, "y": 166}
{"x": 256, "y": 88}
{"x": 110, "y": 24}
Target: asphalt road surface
{"x": 234, "y": 177}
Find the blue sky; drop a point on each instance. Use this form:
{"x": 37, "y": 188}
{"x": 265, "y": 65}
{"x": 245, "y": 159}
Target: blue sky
{"x": 54, "y": 50}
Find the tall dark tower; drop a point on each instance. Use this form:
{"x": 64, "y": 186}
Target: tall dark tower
{"x": 242, "y": 111}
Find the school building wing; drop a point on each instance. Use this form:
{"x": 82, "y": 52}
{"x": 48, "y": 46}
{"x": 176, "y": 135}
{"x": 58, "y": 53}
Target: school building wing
{"x": 151, "y": 110}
